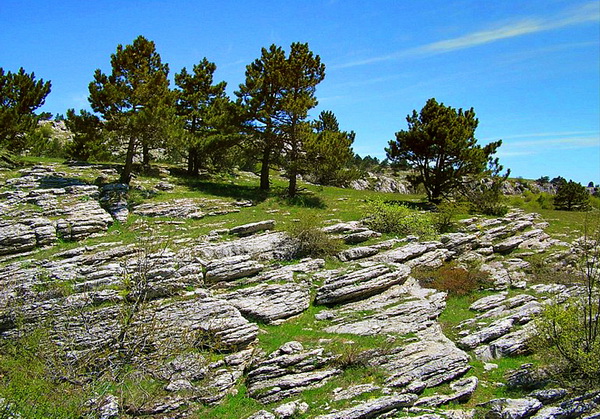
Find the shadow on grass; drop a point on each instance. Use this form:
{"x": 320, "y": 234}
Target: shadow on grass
{"x": 224, "y": 189}
{"x": 414, "y": 205}
{"x": 304, "y": 201}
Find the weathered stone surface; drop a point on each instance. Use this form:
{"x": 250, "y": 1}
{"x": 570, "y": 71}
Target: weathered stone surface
{"x": 360, "y": 284}
{"x": 270, "y": 302}
{"x": 288, "y": 371}
{"x": 82, "y": 220}
{"x": 512, "y": 408}
{"x": 353, "y": 391}
{"x": 488, "y": 303}
{"x": 291, "y": 409}
{"x": 549, "y": 395}
{"x": 463, "y": 390}
{"x": 231, "y": 268}
{"x": 365, "y": 251}
{"x": 374, "y": 408}
{"x": 511, "y": 344}
{"x": 267, "y": 246}
{"x": 262, "y": 414}
{"x": 16, "y": 238}
{"x": 399, "y": 310}
{"x": 407, "y": 252}
{"x": 360, "y": 236}
{"x": 508, "y": 245}
{"x": 433, "y": 359}
{"x": 491, "y": 332}
{"x": 252, "y": 228}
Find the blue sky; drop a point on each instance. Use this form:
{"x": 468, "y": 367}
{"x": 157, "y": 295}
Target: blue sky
{"x": 530, "y": 69}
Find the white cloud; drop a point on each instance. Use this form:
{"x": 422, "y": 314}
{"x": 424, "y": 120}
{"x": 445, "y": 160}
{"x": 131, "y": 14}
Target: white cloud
{"x": 589, "y": 12}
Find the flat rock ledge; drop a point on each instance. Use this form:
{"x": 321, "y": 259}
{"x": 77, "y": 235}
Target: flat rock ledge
{"x": 360, "y": 284}
{"x": 374, "y": 408}
{"x": 288, "y": 371}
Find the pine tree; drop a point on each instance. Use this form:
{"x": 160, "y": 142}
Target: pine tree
{"x": 440, "y": 144}
{"x": 135, "y": 99}
{"x": 20, "y": 96}
{"x": 571, "y": 196}
{"x": 89, "y": 140}
{"x": 329, "y": 150}
{"x": 203, "y": 107}
{"x": 260, "y": 95}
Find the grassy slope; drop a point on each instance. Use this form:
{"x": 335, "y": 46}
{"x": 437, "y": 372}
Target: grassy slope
{"x": 324, "y": 204}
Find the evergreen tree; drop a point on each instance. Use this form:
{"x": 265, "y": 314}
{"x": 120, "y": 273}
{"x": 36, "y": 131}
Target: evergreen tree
{"x": 328, "y": 151}
{"x": 89, "y": 140}
{"x": 571, "y": 196}
{"x": 440, "y": 144}
{"x": 205, "y": 109}
{"x": 302, "y": 72}
{"x": 261, "y": 96}
{"x": 20, "y": 96}
{"x": 134, "y": 99}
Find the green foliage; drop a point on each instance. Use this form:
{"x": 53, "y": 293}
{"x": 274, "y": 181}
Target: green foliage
{"x": 277, "y": 95}
{"x": 134, "y": 99}
{"x": 568, "y": 337}
{"x": 389, "y": 217}
{"x": 446, "y": 214}
{"x": 312, "y": 241}
{"x": 20, "y": 96}
{"x": 485, "y": 196}
{"x": 89, "y": 138}
{"x": 42, "y": 142}
{"x": 453, "y": 279}
{"x": 571, "y": 196}
{"x": 328, "y": 152}
{"x": 210, "y": 119}
{"x": 440, "y": 144}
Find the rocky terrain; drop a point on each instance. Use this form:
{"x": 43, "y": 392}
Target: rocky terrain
{"x": 196, "y": 312}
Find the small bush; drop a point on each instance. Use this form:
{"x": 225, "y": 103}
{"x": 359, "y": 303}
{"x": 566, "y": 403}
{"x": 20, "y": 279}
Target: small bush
{"x": 311, "y": 240}
{"x": 454, "y": 280}
{"x": 386, "y": 217}
{"x": 445, "y": 214}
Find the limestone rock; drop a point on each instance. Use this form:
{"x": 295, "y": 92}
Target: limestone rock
{"x": 291, "y": 409}
{"x": 267, "y": 246}
{"x": 407, "y": 252}
{"x": 433, "y": 359}
{"x": 283, "y": 374}
{"x": 463, "y": 390}
{"x": 495, "y": 330}
{"x": 270, "y": 302}
{"x": 231, "y": 268}
{"x": 512, "y": 408}
{"x": 374, "y": 408}
{"x": 252, "y": 228}
{"x": 360, "y": 284}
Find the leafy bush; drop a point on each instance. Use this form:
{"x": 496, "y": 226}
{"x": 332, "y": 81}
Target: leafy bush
{"x": 386, "y": 217}
{"x": 311, "y": 240}
{"x": 568, "y": 335}
{"x": 445, "y": 215}
{"x": 454, "y": 280}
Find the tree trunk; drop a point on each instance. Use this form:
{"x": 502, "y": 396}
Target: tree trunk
{"x": 293, "y": 181}
{"x": 145, "y": 155}
{"x": 264, "y": 169}
{"x": 126, "y": 173}
{"x": 192, "y": 169}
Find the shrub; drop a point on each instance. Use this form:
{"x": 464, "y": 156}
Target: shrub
{"x": 445, "y": 214}
{"x": 569, "y": 333}
{"x": 311, "y": 240}
{"x": 386, "y": 217}
{"x": 454, "y": 280}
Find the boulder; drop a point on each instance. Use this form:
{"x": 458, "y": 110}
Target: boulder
{"x": 270, "y": 302}
{"x": 493, "y": 331}
{"x": 374, "y": 408}
{"x": 231, "y": 268}
{"x": 360, "y": 284}
{"x": 511, "y": 408}
{"x": 252, "y": 228}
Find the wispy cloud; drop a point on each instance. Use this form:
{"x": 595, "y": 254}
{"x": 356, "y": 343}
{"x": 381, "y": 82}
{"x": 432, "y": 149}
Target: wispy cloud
{"x": 550, "y": 142}
{"x": 589, "y": 12}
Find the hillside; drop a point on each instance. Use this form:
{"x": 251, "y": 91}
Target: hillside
{"x": 189, "y": 297}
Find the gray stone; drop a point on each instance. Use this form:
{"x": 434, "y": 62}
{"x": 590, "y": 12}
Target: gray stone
{"x": 267, "y": 246}
{"x": 360, "y": 284}
{"x": 270, "y": 302}
{"x": 374, "y": 408}
{"x": 549, "y": 395}
{"x": 252, "y": 228}
{"x": 463, "y": 390}
{"x": 262, "y": 414}
{"x": 283, "y": 375}
{"x": 291, "y": 409}
{"x": 407, "y": 252}
{"x": 512, "y": 408}
{"x": 493, "y": 331}
{"x": 353, "y": 391}
{"x": 231, "y": 268}
{"x": 508, "y": 245}
{"x": 489, "y": 302}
